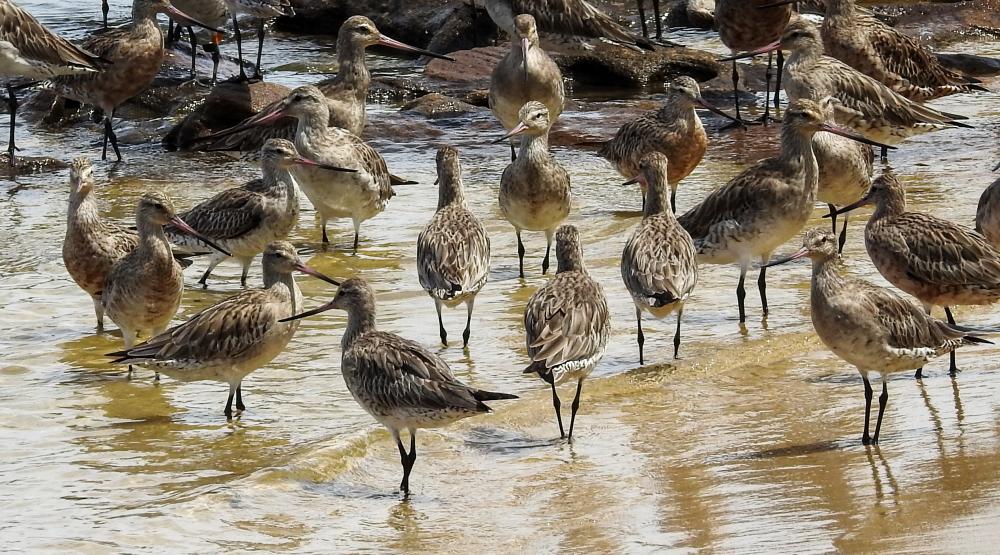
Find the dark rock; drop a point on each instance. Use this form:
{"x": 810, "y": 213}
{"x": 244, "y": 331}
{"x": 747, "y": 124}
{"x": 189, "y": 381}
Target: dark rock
{"x": 609, "y": 65}
{"x": 436, "y": 106}
{"x": 228, "y": 104}
{"x": 970, "y": 64}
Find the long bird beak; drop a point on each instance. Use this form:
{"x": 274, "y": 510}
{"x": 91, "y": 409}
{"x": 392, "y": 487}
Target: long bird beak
{"x": 632, "y": 181}
{"x": 762, "y": 50}
{"x": 706, "y": 105}
{"x": 302, "y": 161}
{"x": 867, "y": 199}
{"x": 183, "y": 226}
{"x": 797, "y": 255}
{"x": 838, "y": 130}
{"x": 521, "y": 127}
{"x": 308, "y": 313}
{"x": 307, "y": 270}
{"x": 776, "y": 4}
{"x": 186, "y": 20}
{"x": 259, "y": 119}
{"x": 393, "y": 43}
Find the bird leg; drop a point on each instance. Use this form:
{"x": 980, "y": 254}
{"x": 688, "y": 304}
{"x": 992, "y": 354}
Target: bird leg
{"x": 865, "y": 438}
{"x": 777, "y": 86}
{"x": 239, "y": 398}
{"x": 843, "y": 236}
{"x": 520, "y": 254}
{"x": 767, "y": 91}
{"x": 246, "y": 272}
{"x": 642, "y": 17}
{"x": 443, "y": 332}
{"x": 762, "y": 286}
{"x": 356, "y": 238}
{"x": 833, "y": 217}
{"x": 12, "y": 107}
{"x": 406, "y": 459}
{"x": 468, "y": 322}
{"x": 555, "y": 402}
{"x": 326, "y": 240}
{"x": 885, "y": 155}
{"x": 673, "y": 199}
{"x": 228, "y": 411}
{"x": 639, "y": 337}
{"x": 239, "y": 49}
{"x": 194, "y": 51}
{"x": 99, "y": 312}
{"x": 575, "y": 407}
{"x": 548, "y": 249}
{"x": 105, "y": 8}
{"x": 257, "y": 74}
{"x": 741, "y": 293}
{"x": 208, "y": 272}
{"x": 677, "y": 334}
{"x": 109, "y": 134}
{"x": 213, "y": 48}
{"x": 659, "y": 22}
{"x": 738, "y": 122}
{"x": 953, "y": 368}
{"x": 882, "y": 400}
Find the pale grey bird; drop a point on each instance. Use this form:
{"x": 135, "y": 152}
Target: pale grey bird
{"x": 526, "y": 73}
{"x": 566, "y": 324}
{"x": 535, "y": 190}
{"x": 767, "y": 204}
{"x": 453, "y": 250}
{"x": 402, "y": 384}
{"x": 245, "y": 220}
{"x": 938, "y": 262}
{"x": 658, "y": 264}
{"x": 231, "y": 339}
{"x": 871, "y": 327}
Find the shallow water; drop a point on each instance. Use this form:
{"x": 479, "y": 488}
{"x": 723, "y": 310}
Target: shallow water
{"x": 749, "y": 442}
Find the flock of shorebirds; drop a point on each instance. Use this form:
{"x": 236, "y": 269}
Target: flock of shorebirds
{"x": 852, "y": 84}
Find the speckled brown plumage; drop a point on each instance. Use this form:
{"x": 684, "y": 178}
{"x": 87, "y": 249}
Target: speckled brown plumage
{"x": 524, "y": 75}
{"x": 988, "y": 214}
{"x": 29, "y": 49}
{"x": 565, "y": 19}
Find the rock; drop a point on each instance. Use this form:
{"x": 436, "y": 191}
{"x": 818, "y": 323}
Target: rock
{"x": 470, "y": 66}
{"x": 228, "y": 104}
{"x": 970, "y": 64}
{"x": 613, "y": 65}
{"x": 700, "y": 13}
{"x": 436, "y": 106}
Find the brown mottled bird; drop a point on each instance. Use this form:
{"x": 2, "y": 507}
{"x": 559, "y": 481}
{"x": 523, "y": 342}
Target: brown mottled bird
{"x": 402, "y": 384}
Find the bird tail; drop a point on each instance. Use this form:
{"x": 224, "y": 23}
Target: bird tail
{"x": 395, "y": 180}
{"x": 975, "y": 340}
{"x": 481, "y": 395}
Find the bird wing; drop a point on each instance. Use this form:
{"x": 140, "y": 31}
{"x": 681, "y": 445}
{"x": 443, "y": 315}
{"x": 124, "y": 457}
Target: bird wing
{"x": 245, "y": 136}
{"x": 860, "y": 95}
{"x": 566, "y": 320}
{"x": 939, "y": 251}
{"x": 374, "y": 164}
{"x": 743, "y": 195}
{"x": 401, "y": 373}
{"x": 453, "y": 253}
{"x": 578, "y": 18}
{"x": 905, "y": 57}
{"x": 228, "y": 215}
{"x": 221, "y": 332}
{"x": 906, "y": 325}
{"x": 661, "y": 262}
{"x": 35, "y": 41}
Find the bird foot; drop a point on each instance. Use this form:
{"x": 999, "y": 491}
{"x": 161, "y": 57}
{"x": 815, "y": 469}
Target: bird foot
{"x": 739, "y": 124}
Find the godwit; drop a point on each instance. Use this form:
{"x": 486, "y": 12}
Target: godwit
{"x": 93, "y": 245}
{"x": 399, "y": 382}
{"x": 231, "y": 339}
{"x": 871, "y": 327}
{"x": 566, "y": 324}
{"x": 29, "y": 49}
{"x": 988, "y": 213}
{"x": 245, "y": 220}
{"x": 938, "y": 262}
{"x": 658, "y": 264}
{"x": 859, "y": 39}
{"x": 743, "y": 25}
{"x": 135, "y": 52}
{"x": 212, "y": 12}
{"x": 526, "y": 73}
{"x": 863, "y": 104}
{"x": 534, "y": 188}
{"x": 674, "y": 130}
{"x": 346, "y": 93}
{"x": 575, "y": 20}
{"x": 144, "y": 287}
{"x": 360, "y": 195}
{"x": 845, "y": 170}
{"x": 262, "y": 11}
{"x": 453, "y": 251}
{"x": 764, "y": 206}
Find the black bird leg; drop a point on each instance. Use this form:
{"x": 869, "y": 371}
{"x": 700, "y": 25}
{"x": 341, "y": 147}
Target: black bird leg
{"x": 545, "y": 261}
{"x": 239, "y": 398}
{"x": 257, "y": 74}
{"x": 762, "y": 287}
{"x": 865, "y": 438}
{"x": 953, "y": 368}
{"x": 239, "y": 49}
{"x": 741, "y": 294}
{"x": 642, "y": 17}
{"x": 659, "y": 22}
{"x": 109, "y": 134}
{"x": 640, "y": 338}
{"x": 574, "y": 407}
{"x": 556, "y": 404}
{"x": 407, "y": 460}
{"x": 12, "y": 107}
{"x": 443, "y": 332}
{"x": 777, "y": 86}
{"x": 520, "y": 254}
{"x": 677, "y": 334}
{"x": 882, "y": 400}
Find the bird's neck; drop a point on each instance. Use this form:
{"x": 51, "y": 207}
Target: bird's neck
{"x": 673, "y": 111}
{"x": 570, "y": 260}
{"x": 83, "y": 212}
{"x": 352, "y": 75}
{"x": 143, "y": 14}
{"x": 152, "y": 240}
{"x": 828, "y": 276}
{"x": 839, "y": 8}
{"x": 285, "y": 281}
{"x": 797, "y": 155}
{"x": 277, "y": 179}
{"x": 314, "y": 122}
{"x": 657, "y": 202}
{"x": 534, "y": 148}
{"x": 450, "y": 192}
{"x": 360, "y": 320}
{"x": 889, "y": 207}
